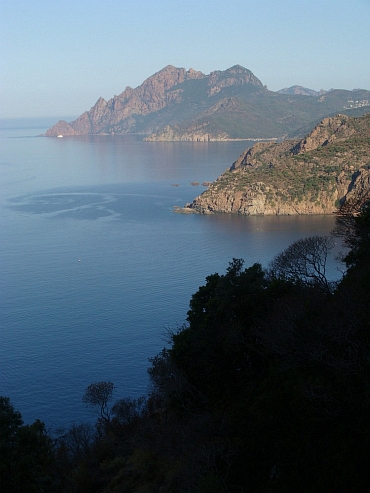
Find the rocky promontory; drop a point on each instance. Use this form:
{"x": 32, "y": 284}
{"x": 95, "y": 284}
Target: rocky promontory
{"x": 176, "y": 104}
{"x": 167, "y": 97}
{"x": 308, "y": 176}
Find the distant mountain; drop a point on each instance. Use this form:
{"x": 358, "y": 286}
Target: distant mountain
{"x": 180, "y": 104}
{"x": 308, "y": 176}
{"x": 303, "y": 91}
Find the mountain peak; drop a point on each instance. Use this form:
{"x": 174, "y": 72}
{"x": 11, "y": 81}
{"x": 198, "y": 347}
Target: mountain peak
{"x": 233, "y": 76}
{"x": 237, "y": 69}
{"x": 180, "y": 104}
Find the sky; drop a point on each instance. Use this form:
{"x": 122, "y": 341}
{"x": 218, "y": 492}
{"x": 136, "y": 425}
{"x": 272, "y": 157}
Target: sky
{"x": 58, "y": 57}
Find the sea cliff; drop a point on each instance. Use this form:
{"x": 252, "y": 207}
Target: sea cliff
{"x": 308, "y": 176}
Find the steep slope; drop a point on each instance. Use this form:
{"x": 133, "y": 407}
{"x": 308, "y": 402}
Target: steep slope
{"x": 168, "y": 96}
{"x": 256, "y": 114}
{"x": 118, "y": 112}
{"x": 180, "y": 104}
{"x": 308, "y": 176}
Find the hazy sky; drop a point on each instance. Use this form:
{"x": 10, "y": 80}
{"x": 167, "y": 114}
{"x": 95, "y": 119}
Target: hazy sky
{"x": 58, "y": 57}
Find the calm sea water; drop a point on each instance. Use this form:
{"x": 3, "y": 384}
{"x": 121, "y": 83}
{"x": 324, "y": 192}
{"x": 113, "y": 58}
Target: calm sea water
{"x": 95, "y": 266}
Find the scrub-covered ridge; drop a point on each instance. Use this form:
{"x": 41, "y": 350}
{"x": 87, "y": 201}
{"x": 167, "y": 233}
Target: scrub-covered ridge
{"x": 309, "y": 176}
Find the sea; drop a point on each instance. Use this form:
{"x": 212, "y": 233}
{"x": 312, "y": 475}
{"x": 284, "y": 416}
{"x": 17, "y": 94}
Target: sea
{"x": 96, "y": 268}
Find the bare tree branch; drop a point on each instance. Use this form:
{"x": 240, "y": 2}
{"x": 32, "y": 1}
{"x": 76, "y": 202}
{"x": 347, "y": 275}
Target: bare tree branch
{"x": 304, "y": 261}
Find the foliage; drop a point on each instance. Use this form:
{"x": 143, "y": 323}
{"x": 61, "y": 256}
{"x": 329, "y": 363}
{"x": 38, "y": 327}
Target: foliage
{"x": 98, "y": 395}
{"x": 26, "y": 459}
{"x": 353, "y": 226}
{"x": 264, "y": 389}
{"x": 128, "y": 410}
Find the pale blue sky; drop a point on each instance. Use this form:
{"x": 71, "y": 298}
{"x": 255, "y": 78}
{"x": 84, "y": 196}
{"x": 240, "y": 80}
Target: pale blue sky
{"x": 58, "y": 57}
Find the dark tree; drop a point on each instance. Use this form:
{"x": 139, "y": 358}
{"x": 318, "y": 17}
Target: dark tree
{"x": 353, "y": 226}
{"x": 128, "y": 410}
{"x": 26, "y": 453}
{"x": 98, "y": 395}
{"x": 304, "y": 261}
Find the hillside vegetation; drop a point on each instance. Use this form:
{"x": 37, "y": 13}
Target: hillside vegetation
{"x": 309, "y": 176}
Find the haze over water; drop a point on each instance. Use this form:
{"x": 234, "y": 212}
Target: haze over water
{"x": 95, "y": 265}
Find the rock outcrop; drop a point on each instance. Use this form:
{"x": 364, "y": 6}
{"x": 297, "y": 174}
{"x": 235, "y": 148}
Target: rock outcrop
{"x": 117, "y": 113}
{"x": 166, "y": 88}
{"x": 310, "y": 176}
{"x": 180, "y": 104}
{"x": 304, "y": 91}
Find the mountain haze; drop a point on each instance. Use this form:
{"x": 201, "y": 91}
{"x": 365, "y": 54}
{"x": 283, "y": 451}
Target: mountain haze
{"x": 180, "y": 104}
{"x": 304, "y": 91}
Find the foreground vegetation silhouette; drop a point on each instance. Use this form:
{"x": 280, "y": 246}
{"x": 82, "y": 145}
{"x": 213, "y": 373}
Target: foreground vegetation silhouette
{"x": 264, "y": 389}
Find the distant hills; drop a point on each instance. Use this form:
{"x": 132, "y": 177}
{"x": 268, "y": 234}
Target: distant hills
{"x": 180, "y": 104}
{"x": 303, "y": 91}
{"x": 313, "y": 175}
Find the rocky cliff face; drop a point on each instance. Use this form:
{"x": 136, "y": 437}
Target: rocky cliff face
{"x": 180, "y": 104}
{"x": 117, "y": 113}
{"x": 122, "y": 113}
{"x": 310, "y": 176}
{"x": 327, "y": 132}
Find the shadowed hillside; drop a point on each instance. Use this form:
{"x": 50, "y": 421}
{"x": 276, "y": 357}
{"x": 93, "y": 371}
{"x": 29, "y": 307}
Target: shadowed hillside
{"x": 265, "y": 388}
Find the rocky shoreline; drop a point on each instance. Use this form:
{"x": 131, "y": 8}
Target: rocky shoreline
{"x": 313, "y": 175}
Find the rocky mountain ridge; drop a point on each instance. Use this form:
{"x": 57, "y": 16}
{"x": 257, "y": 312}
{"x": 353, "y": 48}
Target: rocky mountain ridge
{"x": 180, "y": 104}
{"x": 166, "y": 88}
{"x": 308, "y": 176}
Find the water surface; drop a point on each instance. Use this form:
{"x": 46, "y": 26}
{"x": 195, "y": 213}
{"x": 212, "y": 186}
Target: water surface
{"x": 95, "y": 265}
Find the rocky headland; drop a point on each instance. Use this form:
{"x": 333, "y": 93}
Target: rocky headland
{"x": 176, "y": 104}
{"x": 308, "y": 176}
{"x": 150, "y": 106}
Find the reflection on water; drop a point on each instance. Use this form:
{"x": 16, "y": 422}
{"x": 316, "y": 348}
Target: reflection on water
{"x": 95, "y": 265}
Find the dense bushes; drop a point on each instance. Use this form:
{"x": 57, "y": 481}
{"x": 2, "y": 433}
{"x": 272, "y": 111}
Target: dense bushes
{"x": 26, "y": 453}
{"x": 264, "y": 389}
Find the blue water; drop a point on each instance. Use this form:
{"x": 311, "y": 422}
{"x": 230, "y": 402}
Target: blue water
{"x": 95, "y": 266}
